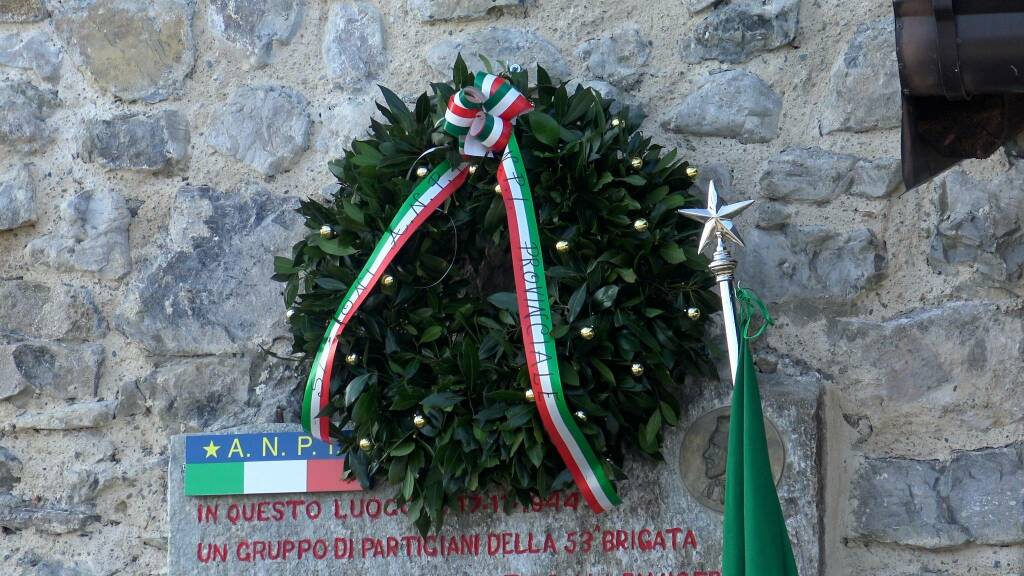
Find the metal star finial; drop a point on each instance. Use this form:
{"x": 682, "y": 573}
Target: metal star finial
{"x": 717, "y": 218}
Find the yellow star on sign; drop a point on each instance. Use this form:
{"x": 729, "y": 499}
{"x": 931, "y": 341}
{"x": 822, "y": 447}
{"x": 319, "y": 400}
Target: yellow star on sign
{"x": 211, "y": 449}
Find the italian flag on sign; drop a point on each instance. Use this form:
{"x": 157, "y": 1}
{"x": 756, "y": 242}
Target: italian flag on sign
{"x": 262, "y": 463}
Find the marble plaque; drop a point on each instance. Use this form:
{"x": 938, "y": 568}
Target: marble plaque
{"x": 662, "y": 528}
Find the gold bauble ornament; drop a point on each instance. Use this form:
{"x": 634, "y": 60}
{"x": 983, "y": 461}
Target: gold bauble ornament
{"x": 472, "y": 169}
{"x": 422, "y": 171}
{"x": 388, "y": 280}
{"x": 692, "y": 172}
{"x": 419, "y": 421}
{"x": 637, "y": 163}
{"x": 289, "y": 313}
{"x": 326, "y": 232}
{"x": 529, "y": 395}
{"x": 581, "y": 415}
{"x": 616, "y": 122}
{"x": 587, "y": 332}
{"x": 497, "y": 188}
{"x": 693, "y": 312}
{"x": 562, "y": 246}
{"x": 365, "y": 445}
{"x": 351, "y": 359}
{"x": 640, "y": 225}
{"x": 637, "y": 369}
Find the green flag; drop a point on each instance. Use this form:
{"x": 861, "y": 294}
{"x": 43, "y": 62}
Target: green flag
{"x": 755, "y": 539}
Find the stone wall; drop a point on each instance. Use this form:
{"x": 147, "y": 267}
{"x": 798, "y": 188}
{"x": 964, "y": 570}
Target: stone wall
{"x": 151, "y": 151}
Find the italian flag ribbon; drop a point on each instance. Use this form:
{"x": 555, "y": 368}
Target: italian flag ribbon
{"x": 482, "y": 117}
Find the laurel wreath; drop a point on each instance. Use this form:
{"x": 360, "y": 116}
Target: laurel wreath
{"x": 432, "y": 395}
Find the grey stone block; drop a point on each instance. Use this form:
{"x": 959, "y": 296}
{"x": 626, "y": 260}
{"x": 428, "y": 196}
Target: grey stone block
{"x": 58, "y": 370}
{"x": 818, "y": 176}
{"x": 265, "y": 127}
{"x": 771, "y": 216}
{"x": 738, "y": 31}
{"x": 17, "y": 198}
{"x": 145, "y": 142}
{"x": 24, "y": 110}
{"x": 697, "y": 6}
{"x": 32, "y": 51}
{"x": 34, "y": 565}
{"x": 92, "y": 236}
{"x": 147, "y": 58}
{"x": 879, "y": 178}
{"x": 343, "y": 122}
{"x": 440, "y": 10}
{"x": 807, "y": 175}
{"x": 970, "y": 345}
{"x": 977, "y": 498}
{"x": 811, "y": 264}
{"x": 19, "y": 514}
{"x": 618, "y": 58}
{"x": 190, "y": 394}
{"x": 85, "y": 482}
{"x": 863, "y": 87}
{"x": 986, "y": 494}
{"x": 500, "y": 45}
{"x": 732, "y": 104}
{"x": 898, "y": 501}
{"x": 79, "y": 416}
{"x": 36, "y": 310}
{"x": 255, "y": 25}
{"x": 980, "y": 225}
{"x": 353, "y": 44}
{"x": 10, "y": 470}
{"x": 22, "y": 11}
{"x": 197, "y": 287}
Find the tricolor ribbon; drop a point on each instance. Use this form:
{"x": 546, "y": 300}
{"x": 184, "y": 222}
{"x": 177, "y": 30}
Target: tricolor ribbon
{"x": 482, "y": 117}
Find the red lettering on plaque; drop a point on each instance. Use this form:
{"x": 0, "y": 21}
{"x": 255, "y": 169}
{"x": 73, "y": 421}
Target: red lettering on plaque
{"x": 207, "y": 513}
{"x": 212, "y": 553}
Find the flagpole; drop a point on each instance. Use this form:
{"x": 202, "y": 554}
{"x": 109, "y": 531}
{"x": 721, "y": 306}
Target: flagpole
{"x": 723, "y": 265}
{"x": 754, "y": 535}
{"x": 717, "y": 220}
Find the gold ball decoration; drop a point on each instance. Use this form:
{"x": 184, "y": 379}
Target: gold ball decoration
{"x": 326, "y": 232}
{"x": 529, "y": 395}
{"x": 562, "y": 246}
{"x": 616, "y": 122}
{"x": 419, "y": 421}
{"x": 387, "y": 280}
{"x": 637, "y": 369}
{"x": 472, "y": 169}
{"x": 289, "y": 313}
{"x": 580, "y": 415}
{"x": 587, "y": 333}
{"x": 640, "y": 225}
{"x": 693, "y": 312}
{"x": 636, "y": 162}
{"x": 365, "y": 445}
{"x": 692, "y": 172}
{"x": 351, "y": 359}
{"x": 497, "y": 188}
{"x": 422, "y": 171}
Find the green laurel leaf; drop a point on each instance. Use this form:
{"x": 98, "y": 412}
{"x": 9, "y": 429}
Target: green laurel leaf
{"x": 545, "y": 128}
